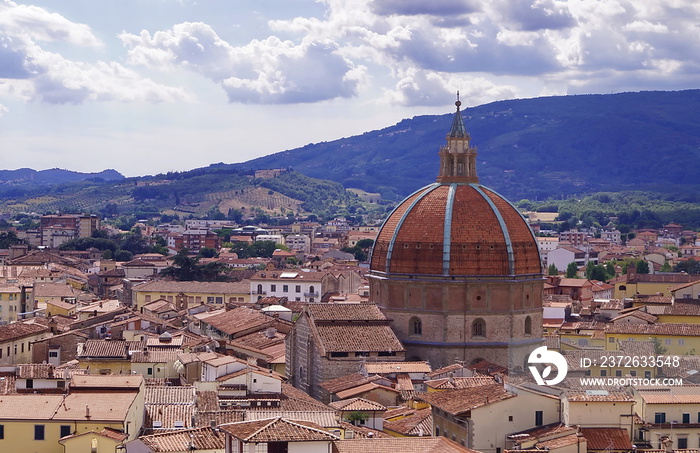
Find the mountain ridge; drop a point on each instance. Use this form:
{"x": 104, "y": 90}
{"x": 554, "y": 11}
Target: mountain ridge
{"x": 528, "y": 148}
{"x": 54, "y": 176}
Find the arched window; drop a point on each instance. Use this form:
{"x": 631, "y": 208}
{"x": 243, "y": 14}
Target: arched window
{"x": 479, "y": 328}
{"x": 311, "y": 289}
{"x": 528, "y": 326}
{"x": 415, "y": 326}
{"x": 260, "y": 289}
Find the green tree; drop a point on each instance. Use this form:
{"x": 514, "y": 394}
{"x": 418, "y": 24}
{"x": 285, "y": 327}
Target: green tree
{"x": 365, "y": 243}
{"x": 552, "y": 269}
{"x": 571, "y": 270}
{"x": 123, "y": 255}
{"x": 207, "y": 252}
{"x": 598, "y": 273}
{"x": 690, "y": 266}
{"x": 242, "y": 249}
{"x": 264, "y": 249}
{"x": 642, "y": 267}
{"x": 184, "y": 267}
{"x": 8, "y": 238}
{"x": 610, "y": 269}
{"x": 357, "y": 417}
{"x": 659, "y": 349}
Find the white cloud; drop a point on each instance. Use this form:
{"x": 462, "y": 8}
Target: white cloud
{"x": 33, "y": 73}
{"x": 38, "y": 24}
{"x": 264, "y": 71}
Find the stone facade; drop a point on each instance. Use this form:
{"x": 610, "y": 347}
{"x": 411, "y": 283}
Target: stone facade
{"x": 313, "y": 359}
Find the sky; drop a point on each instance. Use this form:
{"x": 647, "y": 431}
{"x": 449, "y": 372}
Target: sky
{"x": 151, "y": 86}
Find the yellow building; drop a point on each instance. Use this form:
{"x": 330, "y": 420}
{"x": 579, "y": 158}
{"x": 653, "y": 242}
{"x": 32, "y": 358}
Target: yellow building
{"x": 674, "y": 339}
{"x": 191, "y": 294}
{"x": 106, "y": 357}
{"x": 672, "y": 418}
{"x": 107, "y": 440}
{"x": 9, "y": 302}
{"x": 58, "y": 307}
{"x": 631, "y": 284}
{"x": 34, "y": 422}
{"x": 16, "y": 341}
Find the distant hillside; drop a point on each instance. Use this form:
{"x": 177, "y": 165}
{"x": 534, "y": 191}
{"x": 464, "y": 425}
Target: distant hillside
{"x": 204, "y": 192}
{"x": 529, "y": 148}
{"x": 54, "y": 176}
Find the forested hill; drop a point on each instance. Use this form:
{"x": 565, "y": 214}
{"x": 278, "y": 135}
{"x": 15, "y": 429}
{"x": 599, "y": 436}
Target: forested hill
{"x": 528, "y": 148}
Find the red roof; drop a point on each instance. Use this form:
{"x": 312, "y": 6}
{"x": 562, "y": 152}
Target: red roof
{"x": 487, "y": 236}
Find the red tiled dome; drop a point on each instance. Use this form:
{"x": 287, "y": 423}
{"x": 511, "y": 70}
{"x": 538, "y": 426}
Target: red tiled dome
{"x": 455, "y": 229}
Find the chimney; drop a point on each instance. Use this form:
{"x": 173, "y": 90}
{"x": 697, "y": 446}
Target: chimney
{"x": 87, "y": 412}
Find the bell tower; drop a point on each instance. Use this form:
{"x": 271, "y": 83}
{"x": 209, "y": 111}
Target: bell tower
{"x": 457, "y": 158}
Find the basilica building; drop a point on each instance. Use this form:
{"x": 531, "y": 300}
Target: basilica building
{"x": 457, "y": 270}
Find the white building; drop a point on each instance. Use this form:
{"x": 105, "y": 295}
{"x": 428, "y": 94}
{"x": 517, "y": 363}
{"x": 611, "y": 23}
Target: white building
{"x": 294, "y": 285}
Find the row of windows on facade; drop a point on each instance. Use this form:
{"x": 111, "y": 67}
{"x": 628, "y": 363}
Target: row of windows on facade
{"x": 40, "y": 431}
{"x": 682, "y": 442}
{"x": 10, "y": 296}
{"x": 415, "y": 326}
{"x": 198, "y": 299}
{"x": 29, "y": 348}
{"x": 618, "y": 373}
{"x": 285, "y": 289}
{"x": 667, "y": 341}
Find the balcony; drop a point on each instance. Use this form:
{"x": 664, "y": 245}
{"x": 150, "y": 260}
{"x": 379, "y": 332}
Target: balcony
{"x": 307, "y": 295}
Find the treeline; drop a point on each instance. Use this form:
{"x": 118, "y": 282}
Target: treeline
{"x": 635, "y": 209}
{"x": 120, "y": 247}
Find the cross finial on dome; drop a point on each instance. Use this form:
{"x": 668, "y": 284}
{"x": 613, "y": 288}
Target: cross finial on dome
{"x": 458, "y": 103}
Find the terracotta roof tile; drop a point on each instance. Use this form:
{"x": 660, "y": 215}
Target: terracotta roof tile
{"x": 345, "y": 312}
{"x": 35, "y": 371}
{"x": 29, "y": 406}
{"x": 445, "y": 370}
{"x": 460, "y": 382}
{"x": 204, "y": 438}
{"x": 607, "y": 439}
{"x": 396, "y": 367}
{"x": 327, "y": 419}
{"x": 358, "y": 337}
{"x": 116, "y": 349}
{"x": 18, "y": 330}
{"x": 170, "y": 394}
{"x": 459, "y": 401}
{"x": 418, "y": 424}
{"x": 401, "y": 444}
{"x": 277, "y": 430}
{"x": 155, "y": 355}
{"x": 103, "y": 406}
{"x": 655, "y": 329}
{"x": 357, "y": 404}
{"x": 162, "y": 417}
{"x": 360, "y": 389}
{"x": 239, "y": 319}
{"x": 346, "y": 382}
